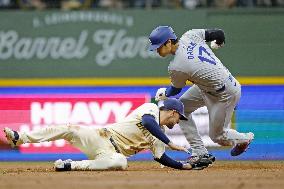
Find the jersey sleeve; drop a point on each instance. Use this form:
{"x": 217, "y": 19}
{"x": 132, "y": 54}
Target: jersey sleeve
{"x": 178, "y": 79}
{"x": 196, "y": 35}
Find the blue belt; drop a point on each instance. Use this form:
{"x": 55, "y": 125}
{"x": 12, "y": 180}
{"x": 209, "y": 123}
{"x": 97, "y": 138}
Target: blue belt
{"x": 112, "y": 142}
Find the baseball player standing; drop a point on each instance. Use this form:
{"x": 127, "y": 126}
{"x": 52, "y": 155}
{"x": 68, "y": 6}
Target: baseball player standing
{"x": 213, "y": 86}
{"x": 107, "y": 148}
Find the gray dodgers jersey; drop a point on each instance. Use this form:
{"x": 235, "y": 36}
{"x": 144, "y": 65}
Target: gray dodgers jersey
{"x": 195, "y": 61}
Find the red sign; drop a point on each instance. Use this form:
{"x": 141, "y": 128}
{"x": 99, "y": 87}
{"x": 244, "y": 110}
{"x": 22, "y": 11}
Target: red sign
{"x": 29, "y": 112}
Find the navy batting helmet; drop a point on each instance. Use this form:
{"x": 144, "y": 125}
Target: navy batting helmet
{"x": 174, "y": 104}
{"x": 160, "y": 35}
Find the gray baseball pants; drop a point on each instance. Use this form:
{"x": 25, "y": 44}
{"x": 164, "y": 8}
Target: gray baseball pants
{"x": 220, "y": 107}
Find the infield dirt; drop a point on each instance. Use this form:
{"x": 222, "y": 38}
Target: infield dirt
{"x": 145, "y": 175}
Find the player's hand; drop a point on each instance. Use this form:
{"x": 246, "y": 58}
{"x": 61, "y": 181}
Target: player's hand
{"x": 193, "y": 166}
{"x": 215, "y": 45}
{"x": 186, "y": 166}
{"x": 161, "y": 94}
{"x": 177, "y": 147}
{"x": 197, "y": 165}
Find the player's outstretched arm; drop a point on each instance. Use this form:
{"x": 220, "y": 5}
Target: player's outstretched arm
{"x": 172, "y": 91}
{"x": 169, "y": 162}
{"x": 149, "y": 122}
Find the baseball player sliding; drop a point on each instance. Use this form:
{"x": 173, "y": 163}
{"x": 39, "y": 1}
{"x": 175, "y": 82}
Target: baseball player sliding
{"x": 213, "y": 86}
{"x": 107, "y": 148}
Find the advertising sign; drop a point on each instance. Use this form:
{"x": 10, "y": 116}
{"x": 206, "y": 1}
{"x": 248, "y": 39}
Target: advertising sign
{"x": 29, "y": 112}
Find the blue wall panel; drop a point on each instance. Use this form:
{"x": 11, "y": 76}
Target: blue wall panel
{"x": 261, "y": 110}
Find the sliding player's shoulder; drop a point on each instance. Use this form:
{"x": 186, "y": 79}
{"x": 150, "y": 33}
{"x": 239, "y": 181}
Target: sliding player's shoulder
{"x": 150, "y": 106}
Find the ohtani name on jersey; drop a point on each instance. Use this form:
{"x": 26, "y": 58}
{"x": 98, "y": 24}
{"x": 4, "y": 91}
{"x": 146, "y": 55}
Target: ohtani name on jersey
{"x": 190, "y": 50}
{"x": 146, "y": 133}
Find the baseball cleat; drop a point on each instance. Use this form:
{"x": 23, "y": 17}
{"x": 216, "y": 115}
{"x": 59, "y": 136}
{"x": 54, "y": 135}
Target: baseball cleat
{"x": 12, "y": 136}
{"x": 209, "y": 157}
{"x": 205, "y": 159}
{"x": 240, "y": 148}
{"x": 61, "y": 165}
{"x": 198, "y": 166}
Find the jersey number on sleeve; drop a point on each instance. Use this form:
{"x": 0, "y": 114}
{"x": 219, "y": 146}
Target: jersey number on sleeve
{"x": 205, "y": 56}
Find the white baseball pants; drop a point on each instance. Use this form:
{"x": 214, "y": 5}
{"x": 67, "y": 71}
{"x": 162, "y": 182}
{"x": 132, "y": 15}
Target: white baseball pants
{"x": 93, "y": 142}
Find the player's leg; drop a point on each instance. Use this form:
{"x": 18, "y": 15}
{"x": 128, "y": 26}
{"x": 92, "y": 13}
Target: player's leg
{"x": 49, "y": 133}
{"x": 96, "y": 144}
{"x": 109, "y": 161}
{"x": 84, "y": 138}
{"x": 93, "y": 142}
{"x": 192, "y": 100}
{"x": 220, "y": 114}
